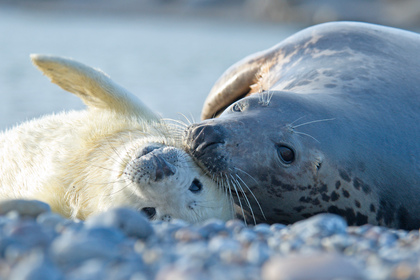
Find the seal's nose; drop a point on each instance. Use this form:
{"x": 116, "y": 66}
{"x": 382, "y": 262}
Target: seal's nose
{"x": 163, "y": 168}
{"x": 204, "y": 143}
{"x": 201, "y": 137}
{"x": 152, "y": 167}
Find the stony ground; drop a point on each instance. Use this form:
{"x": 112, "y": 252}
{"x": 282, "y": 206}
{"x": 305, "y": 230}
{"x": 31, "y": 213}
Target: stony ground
{"x": 121, "y": 244}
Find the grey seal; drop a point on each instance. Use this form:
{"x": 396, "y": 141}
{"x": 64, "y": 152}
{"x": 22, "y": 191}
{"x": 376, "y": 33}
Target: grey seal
{"x": 325, "y": 121}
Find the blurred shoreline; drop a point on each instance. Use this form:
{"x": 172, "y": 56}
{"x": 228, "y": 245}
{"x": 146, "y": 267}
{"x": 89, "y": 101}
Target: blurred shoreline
{"x": 397, "y": 13}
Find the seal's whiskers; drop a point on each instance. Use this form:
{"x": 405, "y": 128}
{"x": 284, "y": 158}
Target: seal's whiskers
{"x": 306, "y": 134}
{"x": 311, "y": 122}
{"x": 237, "y": 194}
{"x": 245, "y": 197}
{"x": 252, "y": 193}
{"x": 227, "y": 190}
{"x": 265, "y": 98}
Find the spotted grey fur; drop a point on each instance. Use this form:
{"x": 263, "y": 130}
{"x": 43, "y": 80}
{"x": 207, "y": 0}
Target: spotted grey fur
{"x": 344, "y": 99}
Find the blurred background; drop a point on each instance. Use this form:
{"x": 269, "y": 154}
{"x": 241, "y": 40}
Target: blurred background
{"x": 167, "y": 52}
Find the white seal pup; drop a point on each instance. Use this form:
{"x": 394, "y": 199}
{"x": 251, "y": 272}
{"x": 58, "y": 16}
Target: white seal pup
{"x": 116, "y": 153}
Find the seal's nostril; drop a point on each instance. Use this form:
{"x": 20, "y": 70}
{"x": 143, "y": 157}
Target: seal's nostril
{"x": 150, "y": 212}
{"x": 201, "y": 137}
{"x": 163, "y": 168}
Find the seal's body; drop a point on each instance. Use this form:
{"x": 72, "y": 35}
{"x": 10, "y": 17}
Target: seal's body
{"x": 115, "y": 153}
{"x": 326, "y": 121}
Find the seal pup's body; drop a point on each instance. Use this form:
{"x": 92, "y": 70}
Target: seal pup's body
{"x": 115, "y": 153}
{"x": 325, "y": 121}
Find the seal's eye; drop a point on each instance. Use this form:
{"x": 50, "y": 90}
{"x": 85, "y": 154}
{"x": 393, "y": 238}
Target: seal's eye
{"x": 150, "y": 212}
{"x": 286, "y": 154}
{"x": 237, "y": 108}
{"x": 196, "y": 186}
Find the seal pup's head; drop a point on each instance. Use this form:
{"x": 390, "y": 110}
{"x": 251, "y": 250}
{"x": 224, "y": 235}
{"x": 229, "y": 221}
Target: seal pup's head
{"x": 164, "y": 183}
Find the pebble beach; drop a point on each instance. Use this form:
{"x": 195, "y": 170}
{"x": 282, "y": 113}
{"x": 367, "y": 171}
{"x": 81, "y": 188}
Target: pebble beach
{"x": 121, "y": 243}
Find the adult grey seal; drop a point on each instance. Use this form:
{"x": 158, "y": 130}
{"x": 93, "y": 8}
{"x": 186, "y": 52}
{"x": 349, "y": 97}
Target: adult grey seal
{"x": 325, "y": 121}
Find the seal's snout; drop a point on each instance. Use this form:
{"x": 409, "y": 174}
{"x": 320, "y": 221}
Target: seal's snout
{"x": 156, "y": 165}
{"x": 203, "y": 142}
{"x": 200, "y": 138}
{"x": 163, "y": 168}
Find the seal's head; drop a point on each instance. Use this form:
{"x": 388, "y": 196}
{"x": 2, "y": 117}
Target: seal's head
{"x": 164, "y": 183}
{"x": 258, "y": 158}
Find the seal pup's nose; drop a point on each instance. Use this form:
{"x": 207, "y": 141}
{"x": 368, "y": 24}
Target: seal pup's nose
{"x": 163, "y": 167}
{"x": 153, "y": 166}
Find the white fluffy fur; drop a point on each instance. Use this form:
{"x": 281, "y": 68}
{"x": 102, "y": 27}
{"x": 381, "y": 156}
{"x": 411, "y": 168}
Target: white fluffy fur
{"x": 75, "y": 161}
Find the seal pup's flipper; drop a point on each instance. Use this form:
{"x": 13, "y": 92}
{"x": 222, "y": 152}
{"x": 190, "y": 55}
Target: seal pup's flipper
{"x": 93, "y": 86}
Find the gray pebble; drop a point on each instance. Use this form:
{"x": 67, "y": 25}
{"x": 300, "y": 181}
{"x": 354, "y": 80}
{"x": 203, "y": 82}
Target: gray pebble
{"x": 52, "y": 220}
{"x": 30, "y": 208}
{"x": 28, "y": 233}
{"x": 246, "y": 235}
{"x": 34, "y": 267}
{"x": 321, "y": 225}
{"x": 235, "y": 225}
{"x": 90, "y": 269}
{"x": 73, "y": 248}
{"x": 321, "y": 266}
{"x": 263, "y": 229}
{"x": 131, "y": 222}
{"x": 211, "y": 227}
{"x": 258, "y": 253}
{"x": 277, "y": 227}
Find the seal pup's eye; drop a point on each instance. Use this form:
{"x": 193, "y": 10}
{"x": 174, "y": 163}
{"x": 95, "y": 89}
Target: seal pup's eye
{"x": 196, "y": 186}
{"x": 150, "y": 212}
{"x": 286, "y": 154}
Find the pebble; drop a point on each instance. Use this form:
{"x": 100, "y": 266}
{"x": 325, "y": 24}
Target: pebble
{"x": 131, "y": 222}
{"x": 30, "y": 208}
{"x": 122, "y": 244}
{"x": 321, "y": 266}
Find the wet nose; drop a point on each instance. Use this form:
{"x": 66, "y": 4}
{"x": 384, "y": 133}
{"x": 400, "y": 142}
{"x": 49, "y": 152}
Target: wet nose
{"x": 163, "y": 168}
{"x": 199, "y": 138}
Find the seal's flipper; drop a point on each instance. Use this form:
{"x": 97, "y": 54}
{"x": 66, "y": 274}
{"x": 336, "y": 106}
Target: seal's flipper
{"x": 93, "y": 86}
{"x": 234, "y": 83}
